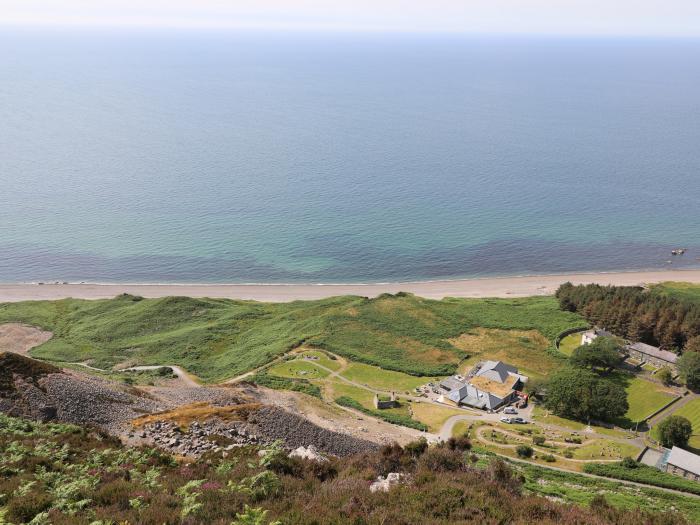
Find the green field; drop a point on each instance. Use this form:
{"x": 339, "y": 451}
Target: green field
{"x": 570, "y": 343}
{"x": 644, "y": 398}
{"x": 678, "y": 290}
{"x": 691, "y": 411}
{"x": 378, "y": 379}
{"x": 216, "y": 339}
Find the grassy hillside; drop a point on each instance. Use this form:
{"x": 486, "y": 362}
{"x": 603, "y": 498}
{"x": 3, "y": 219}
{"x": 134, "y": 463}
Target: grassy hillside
{"x": 216, "y": 339}
{"x": 678, "y": 290}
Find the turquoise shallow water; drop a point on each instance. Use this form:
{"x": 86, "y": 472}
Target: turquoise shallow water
{"x": 186, "y": 157}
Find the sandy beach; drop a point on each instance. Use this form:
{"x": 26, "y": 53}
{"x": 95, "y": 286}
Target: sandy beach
{"x": 489, "y": 287}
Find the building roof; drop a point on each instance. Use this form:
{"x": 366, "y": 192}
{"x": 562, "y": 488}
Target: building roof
{"x": 496, "y": 371}
{"x": 652, "y": 351}
{"x": 686, "y": 460}
{"x": 497, "y": 388}
{"x": 451, "y": 383}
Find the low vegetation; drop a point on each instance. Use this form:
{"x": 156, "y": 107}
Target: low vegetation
{"x": 216, "y": 339}
{"x": 61, "y": 474}
{"x": 633, "y": 471}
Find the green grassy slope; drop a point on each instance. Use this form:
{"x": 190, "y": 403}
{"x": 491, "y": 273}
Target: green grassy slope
{"x": 216, "y": 338}
{"x": 678, "y": 290}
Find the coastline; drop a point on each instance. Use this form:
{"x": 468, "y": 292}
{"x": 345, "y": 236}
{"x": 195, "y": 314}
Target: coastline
{"x": 516, "y": 286}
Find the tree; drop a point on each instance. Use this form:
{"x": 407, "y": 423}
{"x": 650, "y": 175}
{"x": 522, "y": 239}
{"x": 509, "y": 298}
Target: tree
{"x": 583, "y": 395}
{"x": 603, "y": 352}
{"x": 675, "y": 431}
{"x": 693, "y": 344}
{"x": 689, "y": 370}
{"x": 665, "y": 375}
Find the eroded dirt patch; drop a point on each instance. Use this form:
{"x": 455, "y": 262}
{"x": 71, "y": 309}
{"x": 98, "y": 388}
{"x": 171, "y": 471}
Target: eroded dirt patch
{"x": 21, "y": 338}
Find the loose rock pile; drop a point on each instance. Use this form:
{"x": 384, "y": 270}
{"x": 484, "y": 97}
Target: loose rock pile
{"x": 199, "y": 437}
{"x": 264, "y": 427}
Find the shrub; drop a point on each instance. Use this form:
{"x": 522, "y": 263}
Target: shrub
{"x": 665, "y": 375}
{"x": 549, "y": 458}
{"x": 524, "y": 451}
{"x": 416, "y": 448}
{"x": 23, "y": 509}
{"x": 628, "y": 462}
{"x": 441, "y": 459}
{"x": 460, "y": 443}
{"x": 568, "y": 454}
{"x": 675, "y": 431}
{"x": 538, "y": 440}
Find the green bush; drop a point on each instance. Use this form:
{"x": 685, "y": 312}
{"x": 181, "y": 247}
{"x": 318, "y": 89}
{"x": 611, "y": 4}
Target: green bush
{"x": 538, "y": 440}
{"x": 549, "y": 458}
{"x": 524, "y": 451}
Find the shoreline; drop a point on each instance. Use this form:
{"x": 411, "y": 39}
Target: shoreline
{"x": 514, "y": 286}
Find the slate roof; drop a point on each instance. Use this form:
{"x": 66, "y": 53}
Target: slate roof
{"x": 496, "y": 371}
{"x": 686, "y": 460}
{"x": 652, "y": 351}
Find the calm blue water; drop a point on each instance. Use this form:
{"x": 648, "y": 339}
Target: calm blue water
{"x": 287, "y": 158}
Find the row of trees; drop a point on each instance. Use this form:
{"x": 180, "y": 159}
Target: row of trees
{"x": 637, "y": 314}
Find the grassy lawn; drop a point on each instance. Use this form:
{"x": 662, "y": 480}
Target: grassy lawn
{"x": 542, "y": 415}
{"x": 644, "y": 398}
{"x": 216, "y": 339}
{"x": 691, "y": 411}
{"x": 435, "y": 416}
{"x": 322, "y": 359}
{"x": 298, "y": 369}
{"x": 604, "y": 449}
{"x": 460, "y": 428}
{"x": 340, "y": 389}
{"x": 526, "y": 350}
{"x": 570, "y": 343}
{"x": 379, "y": 379}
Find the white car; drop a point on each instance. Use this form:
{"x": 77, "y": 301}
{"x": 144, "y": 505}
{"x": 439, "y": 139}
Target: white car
{"x": 506, "y": 420}
{"x": 509, "y": 410}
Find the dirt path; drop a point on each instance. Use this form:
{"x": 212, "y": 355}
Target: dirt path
{"x": 179, "y": 372}
{"x": 21, "y": 338}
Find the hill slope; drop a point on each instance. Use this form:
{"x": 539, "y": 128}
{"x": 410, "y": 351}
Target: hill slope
{"x": 217, "y": 338}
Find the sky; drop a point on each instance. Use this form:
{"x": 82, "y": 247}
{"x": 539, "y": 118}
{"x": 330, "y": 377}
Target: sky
{"x": 545, "y": 17}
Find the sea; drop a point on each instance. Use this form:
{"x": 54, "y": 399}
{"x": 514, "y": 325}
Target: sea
{"x": 185, "y": 156}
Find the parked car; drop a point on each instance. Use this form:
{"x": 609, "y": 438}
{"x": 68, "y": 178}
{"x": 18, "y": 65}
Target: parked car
{"x": 506, "y": 420}
{"x": 519, "y": 420}
{"x": 510, "y": 410}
